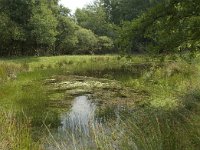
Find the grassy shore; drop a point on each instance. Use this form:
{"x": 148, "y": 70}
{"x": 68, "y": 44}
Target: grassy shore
{"x": 166, "y": 118}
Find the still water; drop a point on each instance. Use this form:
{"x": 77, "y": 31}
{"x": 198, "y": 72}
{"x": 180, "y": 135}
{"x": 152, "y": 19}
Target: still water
{"x": 79, "y": 123}
{"x": 80, "y": 117}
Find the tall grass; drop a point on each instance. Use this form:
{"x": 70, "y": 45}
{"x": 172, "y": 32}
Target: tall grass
{"x": 15, "y": 134}
{"x": 142, "y": 130}
{"x": 10, "y": 70}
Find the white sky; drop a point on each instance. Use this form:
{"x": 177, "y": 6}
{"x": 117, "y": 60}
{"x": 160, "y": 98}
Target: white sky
{"x": 74, "y": 4}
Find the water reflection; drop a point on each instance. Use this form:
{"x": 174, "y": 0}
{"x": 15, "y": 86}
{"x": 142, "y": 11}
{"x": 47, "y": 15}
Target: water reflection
{"x": 81, "y": 123}
{"x": 80, "y": 117}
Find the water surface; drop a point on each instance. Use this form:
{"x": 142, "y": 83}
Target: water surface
{"x": 80, "y": 117}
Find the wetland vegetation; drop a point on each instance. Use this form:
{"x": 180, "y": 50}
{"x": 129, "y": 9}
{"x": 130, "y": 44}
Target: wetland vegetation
{"x": 113, "y": 75}
{"x": 146, "y": 105}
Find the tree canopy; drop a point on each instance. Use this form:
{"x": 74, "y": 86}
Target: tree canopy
{"x": 171, "y": 26}
{"x": 32, "y": 27}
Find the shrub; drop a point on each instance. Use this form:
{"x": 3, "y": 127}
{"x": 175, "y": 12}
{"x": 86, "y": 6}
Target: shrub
{"x": 105, "y": 45}
{"x": 87, "y": 41}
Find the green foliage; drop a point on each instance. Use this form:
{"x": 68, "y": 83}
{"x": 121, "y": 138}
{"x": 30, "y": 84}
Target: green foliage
{"x": 43, "y": 27}
{"x": 168, "y": 27}
{"x": 93, "y": 17}
{"x": 10, "y": 32}
{"x": 177, "y": 29}
{"x": 66, "y": 39}
{"x": 15, "y": 24}
{"x": 105, "y": 45}
{"x": 87, "y": 41}
{"x": 126, "y": 10}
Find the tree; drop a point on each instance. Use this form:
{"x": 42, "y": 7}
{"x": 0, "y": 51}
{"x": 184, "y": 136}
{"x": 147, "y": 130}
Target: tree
{"x": 10, "y": 33}
{"x": 87, "y": 41}
{"x": 66, "y": 39}
{"x": 94, "y": 18}
{"x": 105, "y": 45}
{"x": 26, "y": 25}
{"x": 14, "y": 18}
{"x": 126, "y": 10}
{"x": 43, "y": 28}
{"x": 169, "y": 27}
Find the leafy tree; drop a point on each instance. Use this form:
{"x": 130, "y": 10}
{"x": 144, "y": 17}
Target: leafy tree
{"x": 105, "y": 45}
{"x": 28, "y": 27}
{"x": 94, "y": 17}
{"x": 43, "y": 27}
{"x": 15, "y": 15}
{"x": 87, "y": 41}
{"x": 19, "y": 11}
{"x": 126, "y": 10}
{"x": 169, "y": 27}
{"x": 66, "y": 39}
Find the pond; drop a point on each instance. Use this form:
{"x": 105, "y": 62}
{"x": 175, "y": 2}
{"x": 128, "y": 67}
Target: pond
{"x": 90, "y": 107}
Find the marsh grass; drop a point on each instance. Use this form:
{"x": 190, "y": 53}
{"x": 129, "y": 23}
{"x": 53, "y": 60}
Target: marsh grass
{"x": 15, "y": 134}
{"x": 10, "y": 70}
{"x": 143, "y": 129}
{"x": 152, "y": 129}
{"x": 99, "y": 137}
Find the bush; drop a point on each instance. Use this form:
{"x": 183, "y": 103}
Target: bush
{"x": 105, "y": 45}
{"x": 87, "y": 41}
